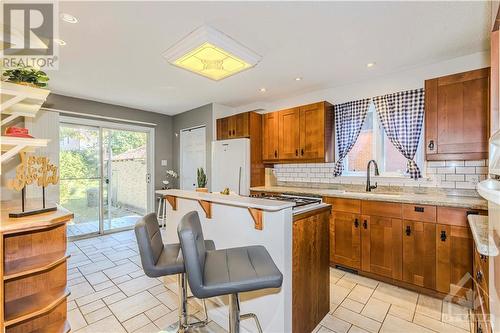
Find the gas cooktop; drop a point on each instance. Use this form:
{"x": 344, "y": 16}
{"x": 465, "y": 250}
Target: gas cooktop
{"x": 298, "y": 200}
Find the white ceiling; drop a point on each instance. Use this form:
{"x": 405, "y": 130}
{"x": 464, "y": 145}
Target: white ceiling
{"x": 113, "y": 54}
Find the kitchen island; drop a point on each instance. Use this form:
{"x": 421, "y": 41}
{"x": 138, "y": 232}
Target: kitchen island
{"x": 297, "y": 242}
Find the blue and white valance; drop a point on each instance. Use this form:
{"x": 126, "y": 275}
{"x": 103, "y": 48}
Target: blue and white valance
{"x": 402, "y": 115}
{"x": 349, "y": 119}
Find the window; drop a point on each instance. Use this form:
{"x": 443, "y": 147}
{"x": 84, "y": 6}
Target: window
{"x": 373, "y": 143}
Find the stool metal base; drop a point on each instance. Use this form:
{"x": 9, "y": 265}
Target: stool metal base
{"x": 184, "y": 324}
{"x": 235, "y": 317}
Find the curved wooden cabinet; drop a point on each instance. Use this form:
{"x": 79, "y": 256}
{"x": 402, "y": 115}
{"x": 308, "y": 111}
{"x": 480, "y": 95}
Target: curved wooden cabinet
{"x": 34, "y": 272}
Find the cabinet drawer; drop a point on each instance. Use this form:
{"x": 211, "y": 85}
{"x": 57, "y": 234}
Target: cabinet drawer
{"x": 380, "y": 208}
{"x": 344, "y": 205}
{"x": 455, "y": 216}
{"x": 422, "y": 213}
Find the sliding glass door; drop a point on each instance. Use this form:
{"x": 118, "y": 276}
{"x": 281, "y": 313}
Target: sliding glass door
{"x": 126, "y": 177}
{"x": 105, "y": 173}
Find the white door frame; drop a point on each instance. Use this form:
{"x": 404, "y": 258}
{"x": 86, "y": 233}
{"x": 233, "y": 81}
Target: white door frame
{"x": 184, "y": 130}
{"x": 120, "y": 126}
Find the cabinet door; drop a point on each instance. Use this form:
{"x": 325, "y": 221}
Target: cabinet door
{"x": 289, "y": 136}
{"x": 312, "y": 131}
{"x": 345, "y": 247}
{"x": 231, "y": 124}
{"x": 381, "y": 247}
{"x": 419, "y": 253}
{"x": 453, "y": 260}
{"x": 270, "y": 136}
{"x": 457, "y": 108}
{"x": 241, "y": 125}
{"x": 222, "y": 129}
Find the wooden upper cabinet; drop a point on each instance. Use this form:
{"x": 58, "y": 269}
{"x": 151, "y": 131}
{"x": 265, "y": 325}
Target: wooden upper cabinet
{"x": 288, "y": 133}
{"x": 312, "y": 125}
{"x": 457, "y": 116}
{"x": 223, "y": 128}
{"x": 494, "y": 81}
{"x": 270, "y": 136}
{"x": 234, "y": 127}
{"x": 305, "y": 134}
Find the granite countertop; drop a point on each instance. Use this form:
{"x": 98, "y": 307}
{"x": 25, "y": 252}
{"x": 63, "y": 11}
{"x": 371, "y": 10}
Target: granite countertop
{"x": 484, "y": 242}
{"x": 230, "y": 200}
{"x": 422, "y": 199}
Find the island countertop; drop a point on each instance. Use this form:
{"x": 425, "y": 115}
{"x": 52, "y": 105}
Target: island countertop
{"x": 422, "y": 199}
{"x": 230, "y": 200}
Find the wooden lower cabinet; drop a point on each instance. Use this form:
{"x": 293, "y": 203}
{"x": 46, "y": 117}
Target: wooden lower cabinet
{"x": 453, "y": 260}
{"x": 421, "y": 247}
{"x": 310, "y": 269}
{"x": 345, "y": 247}
{"x": 419, "y": 254}
{"x": 381, "y": 246}
{"x": 34, "y": 273}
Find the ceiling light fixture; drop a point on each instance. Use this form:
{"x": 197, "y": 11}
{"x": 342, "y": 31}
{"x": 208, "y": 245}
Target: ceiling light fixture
{"x": 298, "y": 79}
{"x": 68, "y": 18}
{"x": 211, "y": 53}
{"x": 60, "y": 42}
{"x": 262, "y": 89}
{"x": 370, "y": 64}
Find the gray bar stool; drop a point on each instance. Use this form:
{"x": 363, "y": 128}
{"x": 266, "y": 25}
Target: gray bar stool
{"x": 159, "y": 259}
{"x": 225, "y": 272}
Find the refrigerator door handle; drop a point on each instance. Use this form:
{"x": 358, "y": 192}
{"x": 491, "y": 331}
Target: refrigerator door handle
{"x": 239, "y": 182}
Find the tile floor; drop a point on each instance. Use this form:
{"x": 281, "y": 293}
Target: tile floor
{"x": 110, "y": 293}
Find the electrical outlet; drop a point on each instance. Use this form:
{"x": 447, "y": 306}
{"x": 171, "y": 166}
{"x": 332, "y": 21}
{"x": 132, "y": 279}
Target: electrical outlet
{"x": 163, "y": 163}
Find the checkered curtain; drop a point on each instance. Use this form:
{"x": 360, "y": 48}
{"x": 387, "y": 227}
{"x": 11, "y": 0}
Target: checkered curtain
{"x": 349, "y": 118}
{"x": 402, "y": 115}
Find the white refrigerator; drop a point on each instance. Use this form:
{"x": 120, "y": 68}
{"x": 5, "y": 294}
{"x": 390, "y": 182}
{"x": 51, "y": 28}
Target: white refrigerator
{"x": 231, "y": 166}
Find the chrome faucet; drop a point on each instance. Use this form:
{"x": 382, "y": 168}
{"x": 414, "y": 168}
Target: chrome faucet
{"x": 370, "y": 187}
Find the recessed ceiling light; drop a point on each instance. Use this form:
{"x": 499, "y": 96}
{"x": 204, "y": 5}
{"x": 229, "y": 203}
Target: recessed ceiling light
{"x": 211, "y": 53}
{"x": 262, "y": 89}
{"x": 68, "y": 18}
{"x": 60, "y": 42}
{"x": 298, "y": 78}
{"x": 370, "y": 64}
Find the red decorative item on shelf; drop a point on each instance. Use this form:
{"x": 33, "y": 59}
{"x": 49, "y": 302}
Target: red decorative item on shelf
{"x": 17, "y": 132}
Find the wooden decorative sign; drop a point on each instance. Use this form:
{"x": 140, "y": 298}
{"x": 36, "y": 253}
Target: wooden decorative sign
{"x": 33, "y": 170}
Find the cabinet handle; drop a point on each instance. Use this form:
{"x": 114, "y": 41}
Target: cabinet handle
{"x": 443, "y": 235}
{"x": 479, "y": 276}
{"x": 275, "y": 153}
{"x": 233, "y": 132}
{"x": 302, "y": 152}
{"x": 431, "y": 145}
{"x": 365, "y": 224}
{"x": 356, "y": 223}
{"x": 408, "y": 230}
{"x": 296, "y": 152}
{"x": 482, "y": 257}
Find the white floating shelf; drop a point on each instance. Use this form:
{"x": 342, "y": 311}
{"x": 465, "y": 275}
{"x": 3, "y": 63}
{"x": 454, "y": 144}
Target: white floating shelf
{"x": 11, "y": 146}
{"x": 20, "y": 101}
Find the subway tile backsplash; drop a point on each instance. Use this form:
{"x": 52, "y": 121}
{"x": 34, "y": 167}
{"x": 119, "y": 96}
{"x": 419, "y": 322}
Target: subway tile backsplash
{"x": 439, "y": 174}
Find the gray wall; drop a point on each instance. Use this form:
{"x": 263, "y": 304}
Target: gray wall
{"x": 192, "y": 118}
{"x": 163, "y": 129}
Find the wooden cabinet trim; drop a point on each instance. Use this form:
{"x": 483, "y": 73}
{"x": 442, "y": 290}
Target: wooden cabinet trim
{"x": 344, "y": 205}
{"x": 424, "y": 213}
{"x": 381, "y": 208}
{"x": 456, "y": 216}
